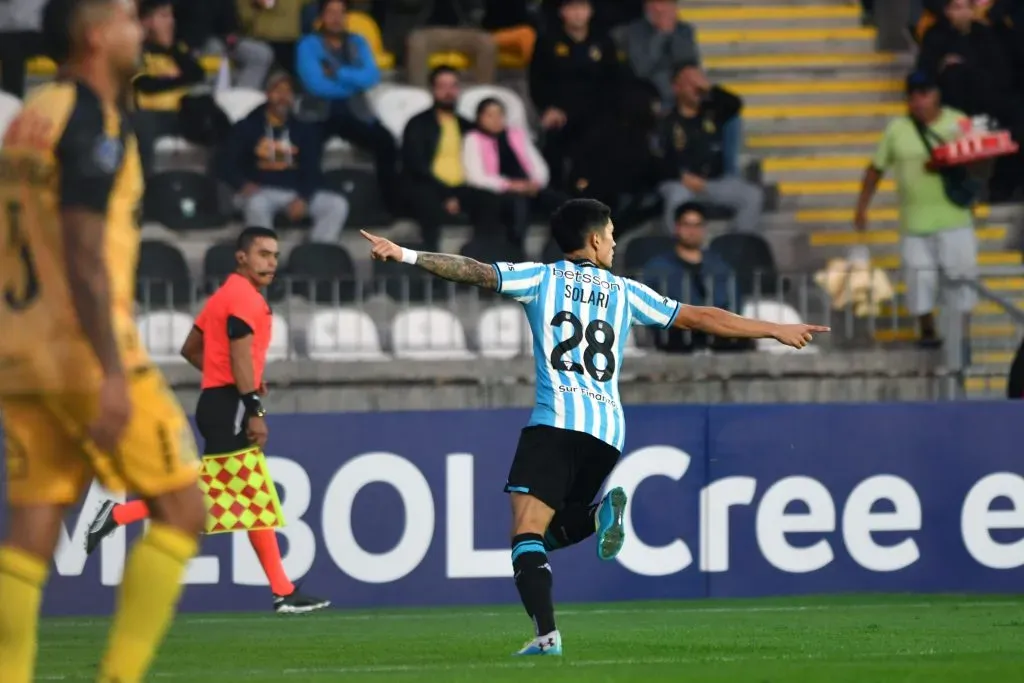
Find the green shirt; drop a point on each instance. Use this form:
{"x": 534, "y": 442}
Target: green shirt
{"x": 924, "y": 207}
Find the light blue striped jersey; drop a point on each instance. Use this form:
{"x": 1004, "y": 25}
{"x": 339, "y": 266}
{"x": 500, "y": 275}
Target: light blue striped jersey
{"x": 581, "y": 316}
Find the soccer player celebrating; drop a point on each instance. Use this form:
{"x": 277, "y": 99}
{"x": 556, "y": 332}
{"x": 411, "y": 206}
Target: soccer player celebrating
{"x": 580, "y": 315}
{"x": 78, "y": 394}
{"x": 228, "y": 344}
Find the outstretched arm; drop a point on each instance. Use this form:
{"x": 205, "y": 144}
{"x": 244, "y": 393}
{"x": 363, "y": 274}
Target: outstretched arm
{"x": 449, "y": 266}
{"x": 722, "y": 323}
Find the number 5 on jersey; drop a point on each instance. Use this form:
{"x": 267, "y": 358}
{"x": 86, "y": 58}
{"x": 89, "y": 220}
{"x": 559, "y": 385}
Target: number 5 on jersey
{"x": 595, "y": 346}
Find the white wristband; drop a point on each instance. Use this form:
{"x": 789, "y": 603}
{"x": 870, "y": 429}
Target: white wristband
{"x": 409, "y": 256}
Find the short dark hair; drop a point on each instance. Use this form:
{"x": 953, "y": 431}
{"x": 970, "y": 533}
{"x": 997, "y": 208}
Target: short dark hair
{"x": 148, "y": 7}
{"x": 440, "y": 71}
{"x": 487, "y": 102}
{"x": 324, "y": 3}
{"x": 250, "y": 235}
{"x": 683, "y": 66}
{"x": 690, "y": 207}
{"x": 576, "y": 219}
{"x": 59, "y": 26}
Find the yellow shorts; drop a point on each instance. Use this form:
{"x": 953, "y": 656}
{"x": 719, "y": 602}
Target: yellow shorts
{"x": 50, "y": 461}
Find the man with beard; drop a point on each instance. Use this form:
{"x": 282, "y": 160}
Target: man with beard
{"x": 432, "y": 162}
{"x": 228, "y": 344}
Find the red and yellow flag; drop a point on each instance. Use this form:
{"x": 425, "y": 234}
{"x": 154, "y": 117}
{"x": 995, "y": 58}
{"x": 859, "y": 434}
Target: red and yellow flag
{"x": 240, "y": 496}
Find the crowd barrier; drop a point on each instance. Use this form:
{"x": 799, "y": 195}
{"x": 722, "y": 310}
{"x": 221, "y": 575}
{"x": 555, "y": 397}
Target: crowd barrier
{"x": 404, "y": 509}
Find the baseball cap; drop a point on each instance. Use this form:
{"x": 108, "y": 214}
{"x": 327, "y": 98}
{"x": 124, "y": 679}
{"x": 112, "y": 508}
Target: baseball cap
{"x": 919, "y": 81}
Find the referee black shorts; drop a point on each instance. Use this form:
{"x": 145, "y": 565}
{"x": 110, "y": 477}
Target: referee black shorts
{"x": 560, "y": 467}
{"x": 220, "y": 417}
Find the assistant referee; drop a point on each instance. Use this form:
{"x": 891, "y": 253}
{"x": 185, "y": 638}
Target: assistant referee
{"x": 228, "y": 344}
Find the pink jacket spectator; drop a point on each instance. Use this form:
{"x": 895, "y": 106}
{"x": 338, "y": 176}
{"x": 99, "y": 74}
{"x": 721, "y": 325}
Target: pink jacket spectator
{"x": 480, "y": 159}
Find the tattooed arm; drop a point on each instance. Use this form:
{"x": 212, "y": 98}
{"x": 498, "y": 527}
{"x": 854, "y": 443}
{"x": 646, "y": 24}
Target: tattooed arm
{"x": 459, "y": 269}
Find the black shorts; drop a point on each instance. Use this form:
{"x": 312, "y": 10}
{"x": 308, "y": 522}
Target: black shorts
{"x": 220, "y": 417}
{"x": 560, "y": 466}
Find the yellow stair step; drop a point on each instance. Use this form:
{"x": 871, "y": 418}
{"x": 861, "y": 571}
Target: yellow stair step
{"x": 901, "y": 311}
{"x": 987, "y": 258}
{"x": 776, "y": 12}
{"x": 816, "y": 140}
{"x": 979, "y": 331}
{"x": 993, "y": 357}
{"x": 824, "y": 111}
{"x": 829, "y": 238}
{"x": 846, "y": 215}
{"x": 774, "y": 61}
{"x": 830, "y": 187}
{"x": 985, "y": 384}
{"x": 782, "y": 35}
{"x": 997, "y": 284}
{"x": 846, "y": 162}
{"x": 747, "y": 88}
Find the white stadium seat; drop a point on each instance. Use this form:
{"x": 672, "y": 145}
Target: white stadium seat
{"x": 238, "y": 103}
{"x": 631, "y": 349}
{"x": 9, "y": 108}
{"x": 515, "y": 110}
{"x": 428, "y": 333}
{"x": 503, "y": 332}
{"x": 280, "y": 340}
{"x": 776, "y": 312}
{"x": 163, "y": 333}
{"x": 399, "y": 103}
{"x": 343, "y": 334}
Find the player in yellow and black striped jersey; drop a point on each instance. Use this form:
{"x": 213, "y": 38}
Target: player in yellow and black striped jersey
{"x": 79, "y": 397}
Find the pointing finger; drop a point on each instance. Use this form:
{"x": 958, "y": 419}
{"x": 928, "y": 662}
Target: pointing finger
{"x": 818, "y": 328}
{"x": 372, "y": 238}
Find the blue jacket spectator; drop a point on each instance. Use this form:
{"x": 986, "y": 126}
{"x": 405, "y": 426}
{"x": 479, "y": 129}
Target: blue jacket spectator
{"x": 338, "y": 68}
{"x": 272, "y": 161}
{"x": 693, "y": 275}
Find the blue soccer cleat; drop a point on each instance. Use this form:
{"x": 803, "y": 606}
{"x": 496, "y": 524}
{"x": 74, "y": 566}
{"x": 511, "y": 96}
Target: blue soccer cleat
{"x": 551, "y": 644}
{"x": 610, "y": 532}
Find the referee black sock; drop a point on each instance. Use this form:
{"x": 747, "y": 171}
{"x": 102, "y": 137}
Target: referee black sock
{"x": 533, "y": 580}
{"x": 570, "y": 525}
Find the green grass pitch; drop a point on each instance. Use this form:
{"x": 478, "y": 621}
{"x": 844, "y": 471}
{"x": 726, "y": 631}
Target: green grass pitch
{"x": 846, "y": 639}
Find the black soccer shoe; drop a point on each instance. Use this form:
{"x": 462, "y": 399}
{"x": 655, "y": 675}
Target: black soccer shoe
{"x": 102, "y": 526}
{"x": 298, "y": 603}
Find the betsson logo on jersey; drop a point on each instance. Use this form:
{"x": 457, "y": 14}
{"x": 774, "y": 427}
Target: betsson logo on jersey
{"x": 586, "y": 278}
{"x": 856, "y": 519}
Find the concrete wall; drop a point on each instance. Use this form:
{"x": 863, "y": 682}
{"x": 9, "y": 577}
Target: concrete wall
{"x": 310, "y": 387}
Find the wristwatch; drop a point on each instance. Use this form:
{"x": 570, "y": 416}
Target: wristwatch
{"x": 253, "y": 405}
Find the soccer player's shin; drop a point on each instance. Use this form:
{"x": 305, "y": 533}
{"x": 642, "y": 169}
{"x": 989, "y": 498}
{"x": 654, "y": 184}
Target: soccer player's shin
{"x": 264, "y": 542}
{"x": 571, "y": 525}
{"x": 147, "y": 602}
{"x": 131, "y": 512}
{"x": 533, "y": 580}
{"x": 22, "y": 576}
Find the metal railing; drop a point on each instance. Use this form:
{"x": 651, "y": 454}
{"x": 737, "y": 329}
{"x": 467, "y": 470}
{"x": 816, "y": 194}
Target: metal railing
{"x": 414, "y": 315}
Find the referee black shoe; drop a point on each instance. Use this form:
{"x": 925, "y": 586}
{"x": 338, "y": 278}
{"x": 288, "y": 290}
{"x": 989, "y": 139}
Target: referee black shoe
{"x": 298, "y": 603}
{"x": 102, "y": 526}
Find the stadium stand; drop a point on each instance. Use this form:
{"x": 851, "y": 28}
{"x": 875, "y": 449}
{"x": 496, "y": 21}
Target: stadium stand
{"x": 816, "y": 97}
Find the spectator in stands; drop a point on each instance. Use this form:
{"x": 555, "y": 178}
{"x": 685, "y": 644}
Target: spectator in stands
{"x": 503, "y": 160}
{"x": 968, "y": 62}
{"x": 700, "y": 141}
{"x": 169, "y": 72}
{"x": 273, "y": 160}
{"x": 449, "y": 26}
{"x": 573, "y": 76}
{"x": 936, "y": 221}
{"x": 339, "y": 67}
{"x": 609, "y": 15}
{"x": 20, "y": 39}
{"x": 867, "y": 9}
{"x": 435, "y": 177}
{"x": 619, "y": 161}
{"x": 693, "y": 275}
{"x": 656, "y": 44}
{"x": 213, "y": 27}
{"x": 275, "y": 22}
